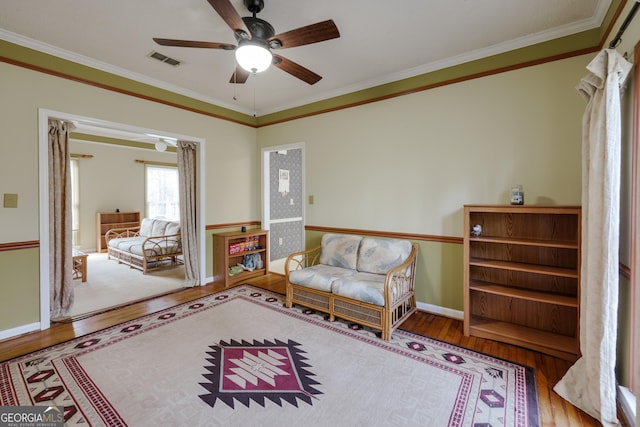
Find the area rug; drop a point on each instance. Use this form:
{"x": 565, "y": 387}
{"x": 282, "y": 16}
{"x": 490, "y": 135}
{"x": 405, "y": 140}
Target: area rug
{"x": 239, "y": 358}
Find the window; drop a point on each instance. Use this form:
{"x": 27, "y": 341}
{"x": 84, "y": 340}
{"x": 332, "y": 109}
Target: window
{"x": 74, "y": 165}
{"x": 161, "y": 192}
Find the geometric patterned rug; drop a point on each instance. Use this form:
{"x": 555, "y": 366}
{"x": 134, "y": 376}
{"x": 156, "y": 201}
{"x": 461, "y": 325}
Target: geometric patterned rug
{"x": 240, "y": 358}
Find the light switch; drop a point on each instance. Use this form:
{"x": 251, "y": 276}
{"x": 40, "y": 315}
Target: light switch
{"x": 310, "y": 200}
{"x": 291, "y": 202}
{"x": 10, "y": 200}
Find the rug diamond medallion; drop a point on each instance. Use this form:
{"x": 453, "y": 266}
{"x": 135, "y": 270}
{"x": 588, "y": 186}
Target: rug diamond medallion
{"x": 245, "y": 371}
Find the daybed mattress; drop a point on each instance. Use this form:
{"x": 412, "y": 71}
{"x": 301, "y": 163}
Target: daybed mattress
{"x": 133, "y": 245}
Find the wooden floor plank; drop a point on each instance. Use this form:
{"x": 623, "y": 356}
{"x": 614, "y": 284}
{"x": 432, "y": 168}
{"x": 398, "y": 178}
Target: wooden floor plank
{"x": 554, "y": 411}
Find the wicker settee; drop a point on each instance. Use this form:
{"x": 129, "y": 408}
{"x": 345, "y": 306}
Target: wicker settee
{"x": 155, "y": 244}
{"x": 369, "y": 281}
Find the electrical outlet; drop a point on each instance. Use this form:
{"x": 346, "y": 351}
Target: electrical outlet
{"x": 280, "y": 241}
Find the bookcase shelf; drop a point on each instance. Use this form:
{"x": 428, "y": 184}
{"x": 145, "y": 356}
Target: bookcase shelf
{"x": 105, "y": 221}
{"x": 557, "y": 345}
{"x": 229, "y": 250}
{"x": 521, "y": 266}
{"x": 522, "y": 276}
{"x": 524, "y": 294}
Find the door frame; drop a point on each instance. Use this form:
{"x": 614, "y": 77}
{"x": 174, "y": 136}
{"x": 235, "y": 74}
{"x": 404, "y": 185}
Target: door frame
{"x": 43, "y": 188}
{"x": 266, "y": 190}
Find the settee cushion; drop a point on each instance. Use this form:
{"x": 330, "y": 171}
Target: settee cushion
{"x": 151, "y": 227}
{"x": 146, "y": 225}
{"x": 172, "y": 228}
{"x": 340, "y": 250}
{"x": 378, "y": 256}
{"x": 319, "y": 276}
{"x": 159, "y": 227}
{"x": 125, "y": 243}
{"x": 365, "y": 287}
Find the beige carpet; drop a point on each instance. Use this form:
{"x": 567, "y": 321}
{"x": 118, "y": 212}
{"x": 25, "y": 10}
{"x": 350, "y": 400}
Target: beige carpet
{"x": 110, "y": 284}
{"x": 239, "y": 358}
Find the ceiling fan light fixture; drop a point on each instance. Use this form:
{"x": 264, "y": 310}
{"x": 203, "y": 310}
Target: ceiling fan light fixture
{"x": 254, "y": 57}
{"x": 161, "y": 146}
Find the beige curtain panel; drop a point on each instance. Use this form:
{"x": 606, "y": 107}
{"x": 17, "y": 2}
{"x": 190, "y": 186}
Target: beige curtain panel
{"x": 60, "y": 250}
{"x": 188, "y": 211}
{"x": 590, "y": 383}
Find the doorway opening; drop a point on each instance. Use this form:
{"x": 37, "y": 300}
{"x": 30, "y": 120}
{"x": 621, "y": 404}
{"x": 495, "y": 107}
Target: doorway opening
{"x": 283, "y": 202}
{"x": 45, "y": 220}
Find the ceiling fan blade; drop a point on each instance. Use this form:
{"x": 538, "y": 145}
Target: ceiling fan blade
{"x": 314, "y": 33}
{"x": 296, "y": 70}
{"x": 240, "y": 75}
{"x": 230, "y": 15}
{"x": 192, "y": 43}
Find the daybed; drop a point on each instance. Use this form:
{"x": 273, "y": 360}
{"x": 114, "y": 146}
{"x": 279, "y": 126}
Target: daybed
{"x": 369, "y": 281}
{"x": 155, "y": 244}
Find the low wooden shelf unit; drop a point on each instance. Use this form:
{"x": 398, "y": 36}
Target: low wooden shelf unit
{"x": 229, "y": 250}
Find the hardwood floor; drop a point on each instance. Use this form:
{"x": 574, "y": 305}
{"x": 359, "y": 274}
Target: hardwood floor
{"x": 554, "y": 411}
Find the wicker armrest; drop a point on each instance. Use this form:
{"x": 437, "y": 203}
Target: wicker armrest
{"x": 155, "y": 246}
{"x": 115, "y": 233}
{"x": 302, "y": 259}
{"x": 399, "y": 282}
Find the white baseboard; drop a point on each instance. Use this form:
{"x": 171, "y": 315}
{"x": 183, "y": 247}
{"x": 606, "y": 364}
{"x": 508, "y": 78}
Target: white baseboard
{"x": 20, "y": 330}
{"x": 628, "y": 403}
{"x": 442, "y": 311}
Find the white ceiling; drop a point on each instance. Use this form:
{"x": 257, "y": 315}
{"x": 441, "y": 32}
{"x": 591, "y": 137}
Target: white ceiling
{"x": 381, "y": 41}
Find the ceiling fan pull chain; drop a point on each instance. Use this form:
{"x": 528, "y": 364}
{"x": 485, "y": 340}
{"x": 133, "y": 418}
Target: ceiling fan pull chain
{"x": 254, "y": 96}
{"x": 235, "y": 80}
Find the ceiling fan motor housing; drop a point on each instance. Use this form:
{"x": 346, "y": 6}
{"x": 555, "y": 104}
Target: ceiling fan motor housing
{"x": 259, "y": 28}
{"x": 254, "y": 6}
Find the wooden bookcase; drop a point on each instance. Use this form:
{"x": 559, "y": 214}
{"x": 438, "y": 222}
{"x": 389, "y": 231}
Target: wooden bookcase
{"x": 522, "y": 276}
{"x": 229, "y": 249}
{"x": 105, "y": 221}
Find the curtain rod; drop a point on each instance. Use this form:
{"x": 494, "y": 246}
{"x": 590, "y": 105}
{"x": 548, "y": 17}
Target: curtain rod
{"x": 624, "y": 26}
{"x": 152, "y": 163}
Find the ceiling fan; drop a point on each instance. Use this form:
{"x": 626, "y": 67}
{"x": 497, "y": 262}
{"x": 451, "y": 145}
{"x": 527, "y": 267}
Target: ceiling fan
{"x": 256, "y": 40}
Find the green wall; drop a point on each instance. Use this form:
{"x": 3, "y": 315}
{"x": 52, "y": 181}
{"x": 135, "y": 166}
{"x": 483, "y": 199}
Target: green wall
{"x": 408, "y": 165}
{"x": 230, "y": 158}
{"x": 19, "y": 288}
{"x": 404, "y": 165}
